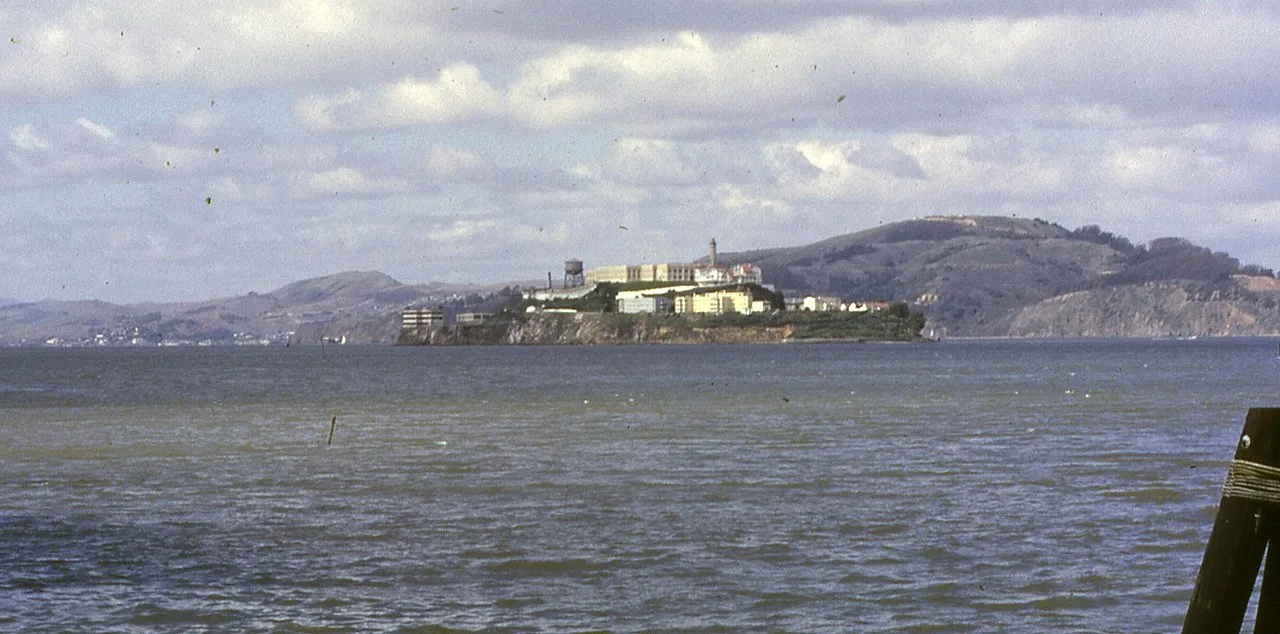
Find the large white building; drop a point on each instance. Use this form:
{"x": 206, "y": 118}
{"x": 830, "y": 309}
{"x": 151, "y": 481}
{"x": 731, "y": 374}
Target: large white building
{"x": 719, "y": 275}
{"x": 711, "y": 273}
{"x": 623, "y": 273}
{"x": 738, "y": 298}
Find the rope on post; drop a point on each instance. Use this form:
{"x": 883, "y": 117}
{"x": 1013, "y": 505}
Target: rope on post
{"x": 1252, "y": 481}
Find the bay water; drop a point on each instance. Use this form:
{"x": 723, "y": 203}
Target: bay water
{"x": 962, "y": 486}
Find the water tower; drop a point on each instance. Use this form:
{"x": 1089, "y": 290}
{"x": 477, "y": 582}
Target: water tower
{"x": 573, "y": 277}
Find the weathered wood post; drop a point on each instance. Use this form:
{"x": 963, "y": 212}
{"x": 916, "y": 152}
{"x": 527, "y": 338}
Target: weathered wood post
{"x": 1245, "y": 523}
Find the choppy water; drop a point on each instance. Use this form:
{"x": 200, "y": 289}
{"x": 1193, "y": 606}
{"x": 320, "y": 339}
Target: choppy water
{"x": 964, "y": 486}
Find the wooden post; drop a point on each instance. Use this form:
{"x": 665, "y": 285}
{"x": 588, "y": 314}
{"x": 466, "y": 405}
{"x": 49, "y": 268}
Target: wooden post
{"x": 1245, "y": 522}
{"x": 333, "y": 423}
{"x": 1268, "y": 601}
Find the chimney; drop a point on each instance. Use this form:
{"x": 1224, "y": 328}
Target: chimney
{"x": 713, "y": 252}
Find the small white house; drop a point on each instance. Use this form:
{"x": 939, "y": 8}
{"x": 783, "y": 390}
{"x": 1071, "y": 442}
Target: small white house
{"x": 821, "y": 303}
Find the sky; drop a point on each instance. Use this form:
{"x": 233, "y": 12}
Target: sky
{"x": 185, "y": 149}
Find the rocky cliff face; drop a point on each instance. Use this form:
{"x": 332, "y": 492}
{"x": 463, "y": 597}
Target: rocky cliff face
{"x": 1157, "y": 309}
{"x": 588, "y": 329}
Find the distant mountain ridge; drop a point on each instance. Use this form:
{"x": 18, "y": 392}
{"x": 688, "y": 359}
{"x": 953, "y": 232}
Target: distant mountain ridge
{"x": 355, "y": 306}
{"x": 972, "y": 275}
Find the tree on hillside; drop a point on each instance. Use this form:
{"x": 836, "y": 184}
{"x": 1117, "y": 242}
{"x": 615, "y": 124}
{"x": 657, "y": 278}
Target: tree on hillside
{"x": 1095, "y": 234}
{"x": 1175, "y": 259}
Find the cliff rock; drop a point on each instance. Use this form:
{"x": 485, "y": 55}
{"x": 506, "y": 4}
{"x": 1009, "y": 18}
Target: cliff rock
{"x": 1155, "y": 309}
{"x": 592, "y": 329}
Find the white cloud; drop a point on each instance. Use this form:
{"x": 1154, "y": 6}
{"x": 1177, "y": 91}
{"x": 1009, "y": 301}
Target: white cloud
{"x": 461, "y": 230}
{"x": 743, "y": 205}
{"x": 637, "y": 161}
{"x": 828, "y": 172}
{"x": 768, "y": 125}
{"x": 917, "y": 167}
{"x": 26, "y": 138}
{"x": 67, "y": 48}
{"x": 955, "y": 166}
{"x": 579, "y": 83}
{"x": 346, "y": 180}
{"x": 1097, "y": 115}
{"x": 457, "y": 162}
{"x": 1264, "y": 138}
{"x": 459, "y": 93}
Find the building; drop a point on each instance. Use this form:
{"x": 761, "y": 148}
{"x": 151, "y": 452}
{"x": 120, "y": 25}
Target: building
{"x": 657, "y": 305}
{"x": 421, "y": 318}
{"x": 548, "y": 294}
{"x": 651, "y": 300}
{"x": 623, "y": 273}
{"x": 710, "y": 273}
{"x": 467, "y": 319}
{"x": 616, "y": 274}
{"x": 716, "y": 275}
{"x": 821, "y": 303}
{"x": 737, "y": 298}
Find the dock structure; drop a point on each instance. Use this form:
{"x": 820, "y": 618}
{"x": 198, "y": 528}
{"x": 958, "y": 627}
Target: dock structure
{"x": 1246, "y": 527}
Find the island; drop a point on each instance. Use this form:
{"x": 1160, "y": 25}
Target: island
{"x": 659, "y": 313}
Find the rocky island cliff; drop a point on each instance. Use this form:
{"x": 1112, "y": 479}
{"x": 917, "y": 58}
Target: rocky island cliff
{"x": 617, "y": 329}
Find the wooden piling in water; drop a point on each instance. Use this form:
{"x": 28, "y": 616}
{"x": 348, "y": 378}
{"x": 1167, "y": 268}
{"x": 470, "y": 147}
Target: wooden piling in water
{"x": 333, "y": 423}
{"x": 1242, "y": 532}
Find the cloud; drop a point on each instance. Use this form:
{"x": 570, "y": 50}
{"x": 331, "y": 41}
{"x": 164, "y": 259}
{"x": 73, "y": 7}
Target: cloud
{"x": 1072, "y": 68}
{"x": 889, "y": 73}
{"x": 459, "y": 93}
{"x": 909, "y": 166}
{"x": 455, "y": 162}
{"x": 50, "y": 152}
{"x": 69, "y": 48}
{"x": 828, "y": 171}
{"x": 96, "y": 129}
{"x": 25, "y": 137}
{"x": 637, "y": 161}
{"x": 346, "y": 180}
{"x": 522, "y": 133}
{"x": 461, "y": 230}
{"x": 743, "y": 205}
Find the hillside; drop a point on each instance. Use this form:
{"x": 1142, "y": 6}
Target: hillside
{"x": 996, "y": 276}
{"x": 362, "y": 307}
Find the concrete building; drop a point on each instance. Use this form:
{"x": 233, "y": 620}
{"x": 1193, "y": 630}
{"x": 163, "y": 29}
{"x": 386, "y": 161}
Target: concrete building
{"x": 623, "y": 273}
{"x": 421, "y": 318}
{"x": 821, "y": 303}
{"x": 710, "y": 273}
{"x": 738, "y": 298}
{"x": 547, "y": 294}
{"x": 715, "y": 275}
{"x": 657, "y": 305}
